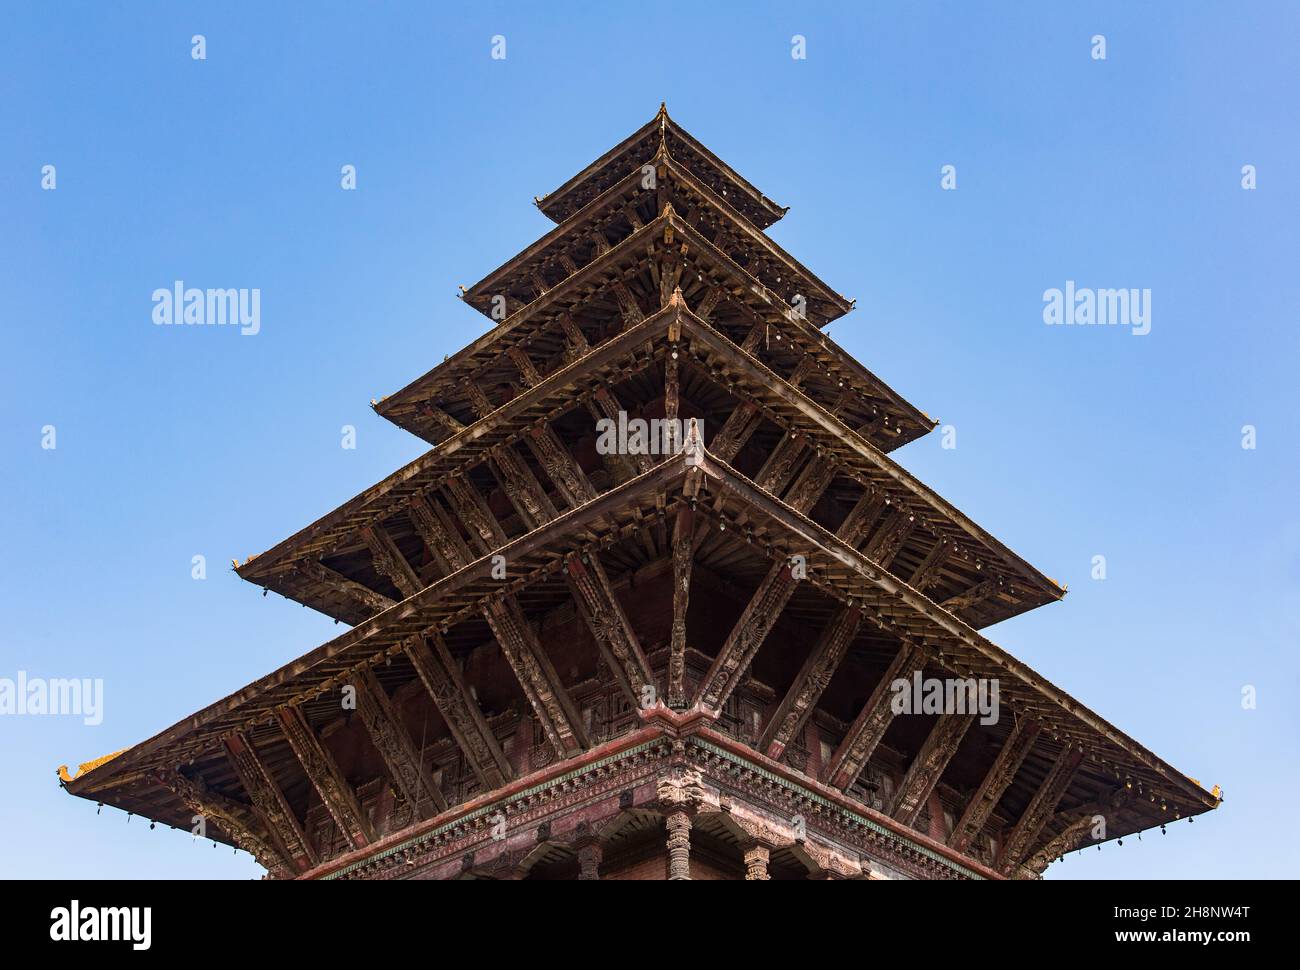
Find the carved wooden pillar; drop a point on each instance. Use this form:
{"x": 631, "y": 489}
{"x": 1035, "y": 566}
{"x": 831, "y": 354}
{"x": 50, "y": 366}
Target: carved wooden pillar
{"x": 680, "y": 794}
{"x": 683, "y": 548}
{"x": 756, "y": 859}
{"x": 590, "y": 855}
{"x": 679, "y": 845}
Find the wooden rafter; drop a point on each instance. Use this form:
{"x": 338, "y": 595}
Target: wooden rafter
{"x": 737, "y": 653}
{"x": 405, "y": 764}
{"x": 614, "y": 634}
{"x": 927, "y": 767}
{"x": 442, "y": 679}
{"x": 326, "y": 777}
{"x": 997, "y": 779}
{"x": 869, "y": 726}
{"x": 1039, "y": 810}
{"x": 818, "y": 668}
{"x": 267, "y": 797}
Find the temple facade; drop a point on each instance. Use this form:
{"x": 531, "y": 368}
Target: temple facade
{"x": 655, "y": 603}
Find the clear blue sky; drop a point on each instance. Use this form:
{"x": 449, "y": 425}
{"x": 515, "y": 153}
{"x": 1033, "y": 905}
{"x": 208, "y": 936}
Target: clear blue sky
{"x": 1072, "y": 442}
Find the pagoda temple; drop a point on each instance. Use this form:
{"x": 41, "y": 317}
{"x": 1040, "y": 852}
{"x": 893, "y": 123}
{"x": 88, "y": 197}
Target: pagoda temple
{"x": 574, "y": 660}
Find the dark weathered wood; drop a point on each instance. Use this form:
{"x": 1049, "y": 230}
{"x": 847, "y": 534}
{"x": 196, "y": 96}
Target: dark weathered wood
{"x": 267, "y": 797}
{"x": 997, "y": 779}
{"x": 389, "y": 561}
{"x": 521, "y": 487}
{"x": 927, "y": 767}
{"x": 1039, "y": 810}
{"x": 610, "y": 626}
{"x": 239, "y": 821}
{"x": 818, "y": 668}
{"x": 442, "y": 540}
{"x": 405, "y": 763}
{"x": 737, "y": 653}
{"x": 541, "y": 685}
{"x": 683, "y": 560}
{"x": 442, "y": 679}
{"x": 869, "y": 726}
{"x": 560, "y": 466}
{"x": 930, "y": 566}
{"x": 324, "y": 774}
{"x": 367, "y": 598}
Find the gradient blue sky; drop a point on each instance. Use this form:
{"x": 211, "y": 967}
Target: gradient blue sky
{"x": 1071, "y": 442}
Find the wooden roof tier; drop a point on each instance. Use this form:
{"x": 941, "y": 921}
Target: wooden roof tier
{"x": 660, "y": 136}
{"x": 625, "y": 207}
{"x": 327, "y": 565}
{"x": 743, "y": 536}
{"x": 633, "y": 279}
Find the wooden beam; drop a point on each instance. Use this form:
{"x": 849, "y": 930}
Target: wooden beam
{"x": 522, "y": 487}
{"x": 928, "y": 570}
{"x": 405, "y": 764}
{"x": 388, "y": 560}
{"x": 818, "y": 668}
{"x": 779, "y": 467}
{"x": 443, "y": 541}
{"x": 996, "y": 781}
{"x": 613, "y": 632}
{"x": 858, "y": 523}
{"x": 740, "y": 425}
{"x": 928, "y": 765}
{"x": 431, "y": 412}
{"x": 972, "y": 597}
{"x": 869, "y": 726}
{"x": 560, "y": 465}
{"x": 628, "y": 305}
{"x": 478, "y": 400}
{"x": 605, "y": 405}
{"x": 746, "y": 637}
{"x": 269, "y": 800}
{"x": 368, "y": 598}
{"x": 541, "y": 685}
{"x": 524, "y": 364}
{"x": 889, "y": 538}
{"x": 442, "y": 679}
{"x": 240, "y": 822}
{"x": 324, "y": 774}
{"x": 811, "y": 484}
{"x": 472, "y": 509}
{"x": 1067, "y": 840}
{"x": 1039, "y": 810}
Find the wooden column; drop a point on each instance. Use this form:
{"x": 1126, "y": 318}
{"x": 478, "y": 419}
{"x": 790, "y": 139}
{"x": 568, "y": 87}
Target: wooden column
{"x": 756, "y": 860}
{"x": 590, "y": 855}
{"x": 679, "y": 844}
{"x": 680, "y": 795}
{"x": 683, "y": 559}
